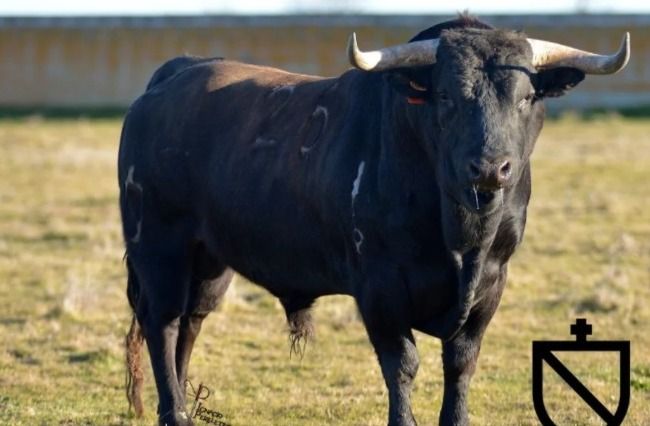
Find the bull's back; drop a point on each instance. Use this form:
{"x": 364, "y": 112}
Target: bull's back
{"x": 222, "y": 144}
{"x": 193, "y": 114}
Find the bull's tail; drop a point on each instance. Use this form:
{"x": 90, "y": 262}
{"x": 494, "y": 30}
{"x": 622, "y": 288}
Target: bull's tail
{"x": 133, "y": 344}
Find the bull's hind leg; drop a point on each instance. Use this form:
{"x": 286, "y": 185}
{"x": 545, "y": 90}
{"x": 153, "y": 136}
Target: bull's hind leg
{"x": 205, "y": 295}
{"x": 165, "y": 280}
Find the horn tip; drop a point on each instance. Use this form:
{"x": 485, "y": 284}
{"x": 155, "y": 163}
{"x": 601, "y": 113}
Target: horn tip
{"x": 352, "y": 50}
{"x": 366, "y": 61}
{"x": 624, "y": 52}
{"x": 352, "y": 40}
{"x": 625, "y": 44}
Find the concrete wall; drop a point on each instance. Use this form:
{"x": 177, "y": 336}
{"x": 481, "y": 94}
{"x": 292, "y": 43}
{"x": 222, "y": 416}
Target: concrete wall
{"x": 107, "y": 61}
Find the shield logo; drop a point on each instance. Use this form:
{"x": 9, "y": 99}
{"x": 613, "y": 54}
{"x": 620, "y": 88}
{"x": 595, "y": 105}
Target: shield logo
{"x": 543, "y": 354}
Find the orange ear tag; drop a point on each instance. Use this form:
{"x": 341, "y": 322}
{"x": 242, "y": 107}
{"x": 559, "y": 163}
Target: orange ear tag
{"x": 414, "y": 101}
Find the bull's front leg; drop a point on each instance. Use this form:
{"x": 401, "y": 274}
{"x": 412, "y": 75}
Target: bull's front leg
{"x": 399, "y": 362}
{"x": 459, "y": 362}
{"x": 394, "y": 345}
{"x": 459, "y": 357}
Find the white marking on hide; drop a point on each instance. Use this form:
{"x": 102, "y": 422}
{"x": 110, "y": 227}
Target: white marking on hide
{"x": 357, "y": 237}
{"x": 129, "y": 181}
{"x": 261, "y": 142}
{"x": 129, "y": 177}
{"x": 136, "y": 237}
{"x": 288, "y": 88}
{"x": 357, "y": 183}
{"x": 320, "y": 110}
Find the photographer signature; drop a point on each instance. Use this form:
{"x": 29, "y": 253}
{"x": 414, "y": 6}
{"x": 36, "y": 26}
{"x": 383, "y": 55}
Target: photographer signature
{"x": 199, "y": 410}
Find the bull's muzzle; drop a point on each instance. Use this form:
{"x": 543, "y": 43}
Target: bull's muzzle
{"x": 490, "y": 174}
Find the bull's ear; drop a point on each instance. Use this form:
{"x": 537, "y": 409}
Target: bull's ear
{"x": 556, "y": 81}
{"x": 411, "y": 83}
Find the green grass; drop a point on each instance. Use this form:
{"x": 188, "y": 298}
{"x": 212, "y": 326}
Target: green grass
{"x": 62, "y": 113}
{"x": 63, "y": 312}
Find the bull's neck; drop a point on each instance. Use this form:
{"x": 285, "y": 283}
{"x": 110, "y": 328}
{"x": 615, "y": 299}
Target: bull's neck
{"x": 403, "y": 161}
{"x": 399, "y": 119}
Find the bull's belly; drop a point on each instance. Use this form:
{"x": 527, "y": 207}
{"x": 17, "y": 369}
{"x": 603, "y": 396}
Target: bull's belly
{"x": 288, "y": 257}
{"x": 292, "y": 275}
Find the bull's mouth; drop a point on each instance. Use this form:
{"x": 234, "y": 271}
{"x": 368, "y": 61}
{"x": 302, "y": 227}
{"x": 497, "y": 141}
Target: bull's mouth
{"x": 481, "y": 200}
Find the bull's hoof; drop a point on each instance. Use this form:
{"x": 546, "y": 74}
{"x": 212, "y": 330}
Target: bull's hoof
{"x": 175, "y": 418}
{"x": 403, "y": 421}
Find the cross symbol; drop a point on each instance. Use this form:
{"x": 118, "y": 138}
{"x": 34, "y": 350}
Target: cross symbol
{"x": 581, "y": 329}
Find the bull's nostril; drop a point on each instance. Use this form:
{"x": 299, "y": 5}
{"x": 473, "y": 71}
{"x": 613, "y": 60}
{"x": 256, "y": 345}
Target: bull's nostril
{"x": 505, "y": 170}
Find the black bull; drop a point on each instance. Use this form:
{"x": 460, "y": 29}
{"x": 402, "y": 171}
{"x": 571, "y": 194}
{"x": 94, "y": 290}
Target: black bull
{"x": 406, "y": 189}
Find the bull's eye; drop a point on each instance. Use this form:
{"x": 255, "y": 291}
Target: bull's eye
{"x": 526, "y": 101}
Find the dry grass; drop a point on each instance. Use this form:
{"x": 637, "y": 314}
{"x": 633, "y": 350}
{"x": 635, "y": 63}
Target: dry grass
{"x": 63, "y": 313}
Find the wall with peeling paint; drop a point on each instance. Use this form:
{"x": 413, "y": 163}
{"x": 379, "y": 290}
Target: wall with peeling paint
{"x": 95, "y": 62}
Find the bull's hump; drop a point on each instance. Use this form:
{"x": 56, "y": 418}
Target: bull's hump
{"x": 225, "y": 73}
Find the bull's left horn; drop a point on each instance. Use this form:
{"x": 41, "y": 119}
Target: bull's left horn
{"x": 552, "y": 55}
{"x": 418, "y": 53}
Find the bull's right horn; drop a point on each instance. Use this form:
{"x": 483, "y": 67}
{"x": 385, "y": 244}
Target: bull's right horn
{"x": 418, "y": 53}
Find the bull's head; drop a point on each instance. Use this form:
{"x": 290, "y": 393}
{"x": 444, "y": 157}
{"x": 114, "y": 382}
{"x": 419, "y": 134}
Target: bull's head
{"x": 479, "y": 95}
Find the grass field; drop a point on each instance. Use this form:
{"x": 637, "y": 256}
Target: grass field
{"x": 63, "y": 312}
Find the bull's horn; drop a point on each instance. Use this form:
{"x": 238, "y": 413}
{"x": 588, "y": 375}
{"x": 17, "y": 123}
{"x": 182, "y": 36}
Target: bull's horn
{"x": 552, "y": 55}
{"x": 418, "y": 53}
